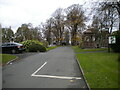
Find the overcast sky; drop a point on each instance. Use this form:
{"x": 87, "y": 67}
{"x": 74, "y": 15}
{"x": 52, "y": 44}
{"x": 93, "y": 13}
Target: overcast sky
{"x": 16, "y": 12}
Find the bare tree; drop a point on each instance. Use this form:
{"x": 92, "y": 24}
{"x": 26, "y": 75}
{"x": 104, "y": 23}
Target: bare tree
{"x": 48, "y": 31}
{"x": 75, "y": 19}
{"x": 108, "y": 14}
{"x": 58, "y": 25}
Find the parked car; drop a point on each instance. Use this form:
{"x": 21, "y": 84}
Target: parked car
{"x": 12, "y": 47}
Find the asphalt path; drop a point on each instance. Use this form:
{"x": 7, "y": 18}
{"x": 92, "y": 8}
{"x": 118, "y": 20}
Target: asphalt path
{"x": 25, "y": 54}
{"x": 56, "y": 68}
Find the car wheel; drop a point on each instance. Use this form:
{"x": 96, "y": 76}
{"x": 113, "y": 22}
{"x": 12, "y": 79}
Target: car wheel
{"x": 13, "y": 51}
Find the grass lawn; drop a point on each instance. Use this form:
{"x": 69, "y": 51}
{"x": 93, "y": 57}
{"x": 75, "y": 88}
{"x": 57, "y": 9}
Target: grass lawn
{"x": 100, "y": 69}
{"x": 52, "y": 47}
{"x": 86, "y": 50}
{"x": 6, "y": 58}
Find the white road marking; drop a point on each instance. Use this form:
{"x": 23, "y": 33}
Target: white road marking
{"x": 50, "y": 76}
{"x": 39, "y": 69}
{"x": 57, "y": 77}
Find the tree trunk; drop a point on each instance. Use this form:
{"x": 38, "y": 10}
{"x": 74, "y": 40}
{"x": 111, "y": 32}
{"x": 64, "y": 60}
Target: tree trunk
{"x": 74, "y": 35}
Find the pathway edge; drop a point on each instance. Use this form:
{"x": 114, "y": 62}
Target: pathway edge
{"x": 82, "y": 73}
{"x": 12, "y": 60}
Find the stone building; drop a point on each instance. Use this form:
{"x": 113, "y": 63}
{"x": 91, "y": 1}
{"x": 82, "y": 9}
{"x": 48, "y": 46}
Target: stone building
{"x": 93, "y": 39}
{"x": 88, "y": 39}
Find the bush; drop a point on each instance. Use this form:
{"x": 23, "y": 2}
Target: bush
{"x": 45, "y": 43}
{"x": 33, "y": 46}
{"x": 36, "y": 48}
{"x": 41, "y": 48}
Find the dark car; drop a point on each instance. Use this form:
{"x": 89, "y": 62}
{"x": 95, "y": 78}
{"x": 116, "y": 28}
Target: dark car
{"x": 12, "y": 47}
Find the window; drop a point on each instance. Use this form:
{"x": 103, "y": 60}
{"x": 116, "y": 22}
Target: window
{"x": 12, "y": 44}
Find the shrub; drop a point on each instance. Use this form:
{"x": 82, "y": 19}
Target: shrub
{"x": 45, "y": 43}
{"x": 42, "y": 49}
{"x": 34, "y": 46}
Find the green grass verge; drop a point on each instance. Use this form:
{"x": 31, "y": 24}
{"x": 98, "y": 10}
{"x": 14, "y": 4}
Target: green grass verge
{"x": 6, "y": 58}
{"x": 77, "y": 49}
{"x": 100, "y": 69}
{"x": 50, "y": 48}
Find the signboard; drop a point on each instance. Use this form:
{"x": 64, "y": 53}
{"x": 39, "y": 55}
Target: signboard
{"x": 112, "y": 39}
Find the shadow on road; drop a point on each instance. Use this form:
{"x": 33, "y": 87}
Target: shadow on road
{"x": 25, "y": 54}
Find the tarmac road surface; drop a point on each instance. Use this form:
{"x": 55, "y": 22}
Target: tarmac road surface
{"x": 56, "y": 68}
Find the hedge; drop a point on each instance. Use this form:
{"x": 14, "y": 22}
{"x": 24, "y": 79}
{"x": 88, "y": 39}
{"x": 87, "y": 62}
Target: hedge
{"x": 33, "y": 46}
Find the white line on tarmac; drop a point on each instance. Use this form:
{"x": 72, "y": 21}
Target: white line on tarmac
{"x": 57, "y": 77}
{"x": 39, "y": 69}
{"x": 50, "y": 76}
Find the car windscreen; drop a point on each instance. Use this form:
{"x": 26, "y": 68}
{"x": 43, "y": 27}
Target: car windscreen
{"x": 5, "y": 44}
{"x": 17, "y": 44}
{"x": 11, "y": 44}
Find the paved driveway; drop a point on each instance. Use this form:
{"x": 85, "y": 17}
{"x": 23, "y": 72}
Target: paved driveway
{"x": 54, "y": 69}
